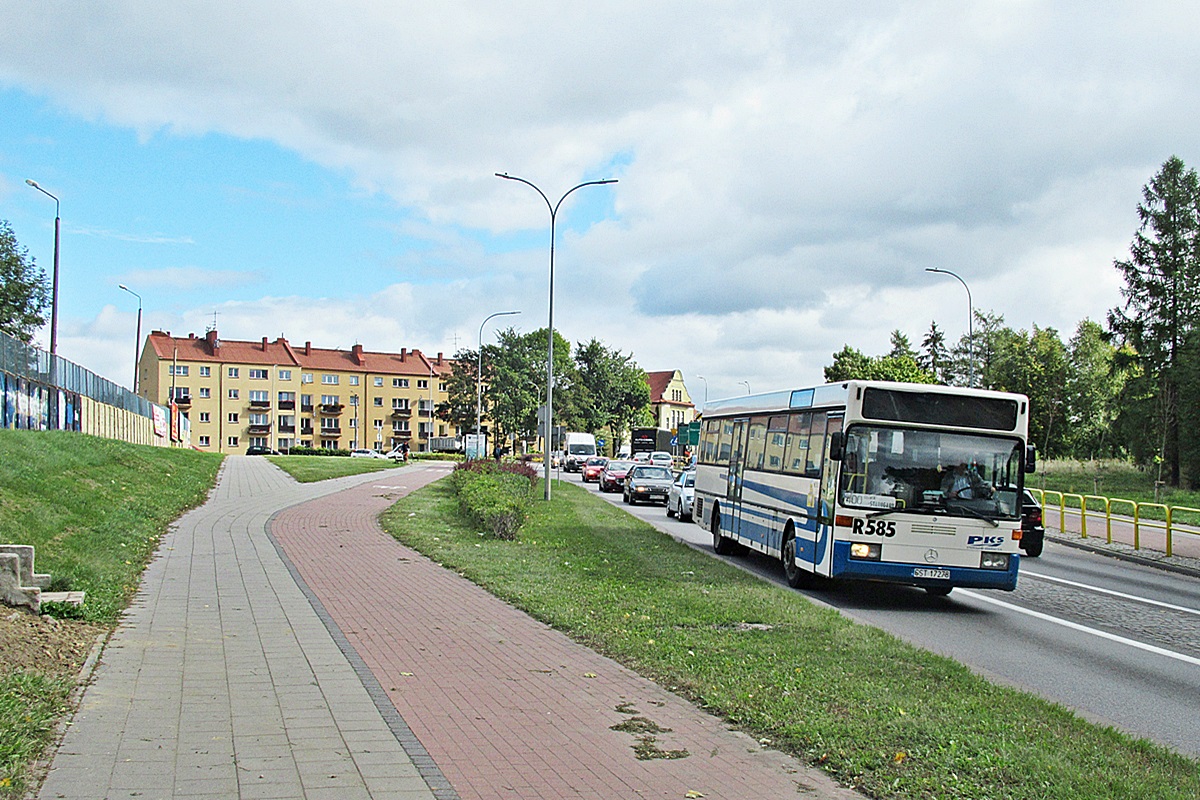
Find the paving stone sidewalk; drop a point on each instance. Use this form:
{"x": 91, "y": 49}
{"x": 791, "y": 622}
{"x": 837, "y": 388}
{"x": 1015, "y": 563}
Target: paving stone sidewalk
{"x": 282, "y": 646}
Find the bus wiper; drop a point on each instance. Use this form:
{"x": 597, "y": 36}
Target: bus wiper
{"x": 971, "y": 512}
{"x": 886, "y": 511}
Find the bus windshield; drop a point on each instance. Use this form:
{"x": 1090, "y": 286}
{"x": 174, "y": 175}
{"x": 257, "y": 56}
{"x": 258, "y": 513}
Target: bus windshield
{"x": 931, "y": 472}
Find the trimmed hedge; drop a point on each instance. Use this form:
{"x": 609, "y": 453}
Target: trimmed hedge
{"x": 494, "y": 497}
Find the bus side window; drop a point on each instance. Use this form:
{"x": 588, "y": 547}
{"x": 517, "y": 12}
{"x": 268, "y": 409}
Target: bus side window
{"x": 816, "y": 446}
{"x": 797, "y": 443}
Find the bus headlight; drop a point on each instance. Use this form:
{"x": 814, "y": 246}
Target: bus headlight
{"x": 865, "y": 550}
{"x": 994, "y": 561}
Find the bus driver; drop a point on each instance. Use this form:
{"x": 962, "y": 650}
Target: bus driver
{"x": 965, "y": 484}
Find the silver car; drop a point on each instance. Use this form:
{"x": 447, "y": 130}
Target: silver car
{"x": 679, "y": 499}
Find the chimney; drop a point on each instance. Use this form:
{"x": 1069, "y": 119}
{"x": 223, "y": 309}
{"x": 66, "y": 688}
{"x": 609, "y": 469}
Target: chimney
{"x": 264, "y": 344}
{"x": 191, "y": 335}
{"x": 213, "y": 342}
{"x": 403, "y": 351}
{"x": 359, "y": 358}
{"x": 308, "y": 348}
{"x": 439, "y": 359}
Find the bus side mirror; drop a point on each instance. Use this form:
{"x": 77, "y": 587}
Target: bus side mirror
{"x": 835, "y": 446}
{"x": 1030, "y": 459}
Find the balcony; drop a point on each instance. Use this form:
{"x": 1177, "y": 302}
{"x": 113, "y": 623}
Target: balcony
{"x": 183, "y": 400}
{"x": 401, "y": 413}
{"x": 289, "y": 429}
{"x": 327, "y": 431}
{"x": 260, "y": 403}
{"x": 288, "y": 405}
{"x": 305, "y": 409}
{"x": 331, "y": 408}
{"x": 260, "y": 430}
{"x": 425, "y": 412}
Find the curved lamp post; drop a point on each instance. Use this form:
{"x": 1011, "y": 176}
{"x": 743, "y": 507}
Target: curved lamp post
{"x": 550, "y": 332}
{"x": 54, "y": 290}
{"x": 970, "y": 324}
{"x": 137, "y": 342}
{"x": 479, "y": 373}
{"x": 746, "y": 384}
{"x": 701, "y": 377}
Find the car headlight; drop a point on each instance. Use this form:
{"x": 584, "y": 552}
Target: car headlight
{"x": 994, "y": 561}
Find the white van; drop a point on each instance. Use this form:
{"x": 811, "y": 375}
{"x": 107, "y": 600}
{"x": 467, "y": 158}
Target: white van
{"x": 577, "y": 449}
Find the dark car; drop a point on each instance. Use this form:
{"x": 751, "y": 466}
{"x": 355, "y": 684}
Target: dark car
{"x": 648, "y": 482}
{"x": 613, "y": 477}
{"x": 261, "y": 451}
{"x": 1033, "y": 532}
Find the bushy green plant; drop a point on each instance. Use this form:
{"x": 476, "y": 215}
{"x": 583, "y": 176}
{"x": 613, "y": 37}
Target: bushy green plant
{"x": 494, "y": 497}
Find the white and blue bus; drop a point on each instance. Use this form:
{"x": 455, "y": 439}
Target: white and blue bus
{"x": 869, "y": 480}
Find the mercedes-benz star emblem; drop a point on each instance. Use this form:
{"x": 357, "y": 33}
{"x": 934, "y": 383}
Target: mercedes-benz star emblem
{"x": 931, "y": 555}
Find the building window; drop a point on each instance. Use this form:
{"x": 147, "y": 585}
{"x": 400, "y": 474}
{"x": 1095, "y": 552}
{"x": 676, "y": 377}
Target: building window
{"x": 329, "y": 380}
{"x": 377, "y": 381}
{"x": 260, "y": 419}
{"x": 258, "y": 441}
{"x": 204, "y": 416}
{"x": 353, "y": 422}
{"x": 204, "y": 441}
{"x": 377, "y": 401}
{"x": 233, "y": 372}
{"x": 329, "y": 400}
{"x": 205, "y": 372}
{"x": 233, "y": 416}
{"x": 400, "y": 404}
{"x": 180, "y": 392}
{"x": 284, "y": 443}
{"x": 233, "y": 394}
{"x": 330, "y": 422}
{"x": 354, "y": 380}
{"x": 232, "y": 441}
{"x": 287, "y": 397}
{"x": 441, "y": 387}
{"x": 422, "y": 383}
{"x": 205, "y": 392}
{"x": 258, "y": 375}
{"x": 177, "y": 369}
{"x": 378, "y": 424}
{"x": 285, "y": 375}
{"x": 400, "y": 383}
{"x": 400, "y": 426}
{"x": 306, "y": 377}
{"x": 354, "y": 400}
{"x": 260, "y": 396}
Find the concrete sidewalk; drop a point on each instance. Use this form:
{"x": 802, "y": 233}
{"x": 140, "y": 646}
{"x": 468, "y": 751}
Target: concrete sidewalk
{"x": 283, "y": 646}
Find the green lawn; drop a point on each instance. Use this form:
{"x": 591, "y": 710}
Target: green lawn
{"x": 876, "y": 713}
{"x": 307, "y": 469}
{"x": 94, "y": 510}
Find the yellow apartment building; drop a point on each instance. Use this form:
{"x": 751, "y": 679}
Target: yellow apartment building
{"x": 670, "y": 402}
{"x": 239, "y": 394}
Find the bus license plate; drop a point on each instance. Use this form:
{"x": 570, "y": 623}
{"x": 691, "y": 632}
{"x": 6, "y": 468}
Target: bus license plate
{"x": 940, "y": 574}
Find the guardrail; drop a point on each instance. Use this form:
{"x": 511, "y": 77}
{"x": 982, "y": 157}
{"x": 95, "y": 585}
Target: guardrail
{"x": 1165, "y": 520}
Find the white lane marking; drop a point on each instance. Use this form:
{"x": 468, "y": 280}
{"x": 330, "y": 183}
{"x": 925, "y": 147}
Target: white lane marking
{"x": 1122, "y": 595}
{"x": 1112, "y": 637}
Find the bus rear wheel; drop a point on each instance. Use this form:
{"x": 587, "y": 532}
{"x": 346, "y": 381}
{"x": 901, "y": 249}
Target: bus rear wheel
{"x": 722, "y": 545}
{"x": 796, "y": 577}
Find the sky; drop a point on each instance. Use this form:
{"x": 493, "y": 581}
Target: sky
{"x": 787, "y": 171}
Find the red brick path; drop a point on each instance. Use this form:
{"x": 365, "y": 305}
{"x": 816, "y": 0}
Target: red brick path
{"x": 504, "y": 704}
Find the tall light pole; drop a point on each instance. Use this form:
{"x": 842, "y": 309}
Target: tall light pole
{"x": 701, "y": 377}
{"x": 550, "y": 332}
{"x": 137, "y": 342}
{"x": 746, "y": 384}
{"x": 54, "y": 289}
{"x": 970, "y": 324}
{"x": 479, "y": 373}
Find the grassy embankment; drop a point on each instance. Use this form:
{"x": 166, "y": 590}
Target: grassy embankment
{"x": 94, "y": 509}
{"x": 876, "y": 713}
{"x": 1113, "y": 479}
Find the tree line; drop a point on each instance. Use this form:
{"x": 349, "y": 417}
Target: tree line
{"x": 1127, "y": 388}
{"x": 596, "y": 388}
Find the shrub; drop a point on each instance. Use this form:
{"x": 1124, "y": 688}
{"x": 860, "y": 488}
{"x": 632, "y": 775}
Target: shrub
{"x": 495, "y": 497}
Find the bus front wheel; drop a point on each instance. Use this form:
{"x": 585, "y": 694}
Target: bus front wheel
{"x": 796, "y": 577}
{"x": 722, "y": 546}
{"x": 939, "y": 591}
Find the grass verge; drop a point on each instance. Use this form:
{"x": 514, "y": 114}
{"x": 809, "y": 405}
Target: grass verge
{"x": 94, "y": 510}
{"x": 1113, "y": 479}
{"x": 878, "y": 714}
{"x": 309, "y": 469}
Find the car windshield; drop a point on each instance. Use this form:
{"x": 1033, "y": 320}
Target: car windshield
{"x": 689, "y": 479}
{"x": 653, "y": 473}
{"x": 619, "y": 466}
{"x": 931, "y": 472}
{"x": 596, "y": 462}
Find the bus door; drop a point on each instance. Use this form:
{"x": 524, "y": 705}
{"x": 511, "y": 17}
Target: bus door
{"x": 731, "y": 519}
{"x": 828, "y": 500}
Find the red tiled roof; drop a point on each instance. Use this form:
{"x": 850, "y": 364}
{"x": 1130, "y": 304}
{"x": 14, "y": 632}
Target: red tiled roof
{"x": 658, "y": 384}
{"x": 280, "y": 352}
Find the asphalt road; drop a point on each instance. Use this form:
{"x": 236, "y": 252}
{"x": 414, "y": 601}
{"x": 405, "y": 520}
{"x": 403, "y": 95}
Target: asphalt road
{"x": 1117, "y": 642}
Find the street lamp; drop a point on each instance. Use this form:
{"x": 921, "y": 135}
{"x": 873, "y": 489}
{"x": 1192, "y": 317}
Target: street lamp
{"x": 970, "y": 324}
{"x": 137, "y": 342}
{"x": 550, "y": 332}
{"x": 701, "y": 377}
{"x": 54, "y": 285}
{"x": 746, "y": 384}
{"x": 479, "y": 373}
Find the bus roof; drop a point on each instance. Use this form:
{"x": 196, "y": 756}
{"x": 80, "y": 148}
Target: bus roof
{"x": 830, "y": 395}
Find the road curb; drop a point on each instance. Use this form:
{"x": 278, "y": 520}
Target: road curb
{"x": 1105, "y": 550}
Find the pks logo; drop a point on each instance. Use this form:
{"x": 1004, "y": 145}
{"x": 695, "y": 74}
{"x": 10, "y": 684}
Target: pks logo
{"x": 985, "y": 541}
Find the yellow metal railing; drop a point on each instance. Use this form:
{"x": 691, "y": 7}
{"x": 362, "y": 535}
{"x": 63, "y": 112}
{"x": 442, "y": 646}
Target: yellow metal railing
{"x": 1103, "y": 507}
